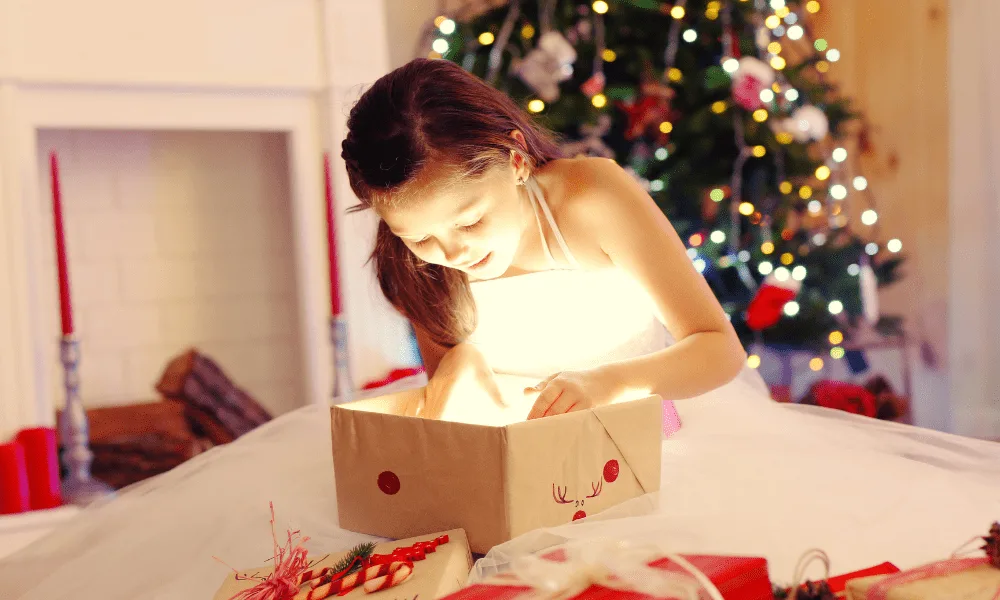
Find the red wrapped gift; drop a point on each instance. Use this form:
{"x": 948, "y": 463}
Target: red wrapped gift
{"x": 611, "y": 572}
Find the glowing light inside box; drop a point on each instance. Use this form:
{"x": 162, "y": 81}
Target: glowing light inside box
{"x": 472, "y": 404}
{"x": 629, "y": 317}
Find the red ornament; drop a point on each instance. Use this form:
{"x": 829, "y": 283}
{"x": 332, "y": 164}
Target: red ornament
{"x": 388, "y": 482}
{"x": 746, "y": 92}
{"x": 645, "y": 113}
{"x": 594, "y": 85}
{"x": 839, "y": 395}
{"x": 765, "y": 308}
{"x": 611, "y": 470}
{"x": 579, "y": 515}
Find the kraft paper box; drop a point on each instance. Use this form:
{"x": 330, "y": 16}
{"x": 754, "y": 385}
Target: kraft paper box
{"x": 978, "y": 583}
{"x": 441, "y": 573}
{"x": 398, "y": 475}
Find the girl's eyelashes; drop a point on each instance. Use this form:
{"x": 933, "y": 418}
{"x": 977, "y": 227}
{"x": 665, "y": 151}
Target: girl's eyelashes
{"x": 471, "y": 226}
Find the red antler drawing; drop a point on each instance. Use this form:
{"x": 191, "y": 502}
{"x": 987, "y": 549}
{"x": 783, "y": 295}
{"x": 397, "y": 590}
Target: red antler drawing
{"x": 597, "y": 488}
{"x": 561, "y": 497}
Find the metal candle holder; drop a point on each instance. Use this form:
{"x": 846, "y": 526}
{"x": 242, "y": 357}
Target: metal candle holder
{"x": 343, "y": 387}
{"x": 78, "y": 487}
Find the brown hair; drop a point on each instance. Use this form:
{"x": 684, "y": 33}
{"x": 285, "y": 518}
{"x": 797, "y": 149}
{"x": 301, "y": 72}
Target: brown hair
{"x": 424, "y": 111}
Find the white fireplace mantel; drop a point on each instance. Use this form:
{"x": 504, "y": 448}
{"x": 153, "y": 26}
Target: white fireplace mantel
{"x": 292, "y": 66}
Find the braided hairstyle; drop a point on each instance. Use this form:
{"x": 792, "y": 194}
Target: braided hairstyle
{"x": 430, "y": 111}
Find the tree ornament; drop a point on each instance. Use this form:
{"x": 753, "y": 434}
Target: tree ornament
{"x": 751, "y": 78}
{"x": 547, "y": 65}
{"x": 762, "y": 38}
{"x": 809, "y": 124}
{"x": 646, "y": 113}
{"x": 772, "y": 296}
{"x": 594, "y": 85}
{"x": 592, "y": 143}
{"x": 868, "y": 283}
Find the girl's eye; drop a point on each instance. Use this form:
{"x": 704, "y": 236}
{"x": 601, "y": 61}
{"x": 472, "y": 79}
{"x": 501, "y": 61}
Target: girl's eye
{"x": 422, "y": 242}
{"x": 472, "y": 226}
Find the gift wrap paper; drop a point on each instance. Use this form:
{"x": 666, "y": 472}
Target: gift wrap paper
{"x": 977, "y": 583}
{"x": 441, "y": 573}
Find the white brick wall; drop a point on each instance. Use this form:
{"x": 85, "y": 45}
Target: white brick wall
{"x": 175, "y": 239}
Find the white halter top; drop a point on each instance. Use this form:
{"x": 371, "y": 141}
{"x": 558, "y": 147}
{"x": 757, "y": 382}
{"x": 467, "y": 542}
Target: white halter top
{"x": 540, "y": 323}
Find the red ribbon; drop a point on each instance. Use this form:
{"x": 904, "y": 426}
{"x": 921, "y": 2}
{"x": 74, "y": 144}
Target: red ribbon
{"x": 414, "y": 552}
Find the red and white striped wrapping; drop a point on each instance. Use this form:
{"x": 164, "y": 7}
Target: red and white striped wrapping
{"x": 380, "y": 577}
{"x": 395, "y": 577}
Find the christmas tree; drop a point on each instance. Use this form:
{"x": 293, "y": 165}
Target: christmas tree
{"x": 723, "y": 111}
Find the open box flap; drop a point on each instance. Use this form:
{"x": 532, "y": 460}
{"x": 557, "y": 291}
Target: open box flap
{"x": 642, "y": 450}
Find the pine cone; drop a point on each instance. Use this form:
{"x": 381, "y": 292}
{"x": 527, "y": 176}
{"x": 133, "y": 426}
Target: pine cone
{"x": 813, "y": 590}
{"x": 991, "y": 545}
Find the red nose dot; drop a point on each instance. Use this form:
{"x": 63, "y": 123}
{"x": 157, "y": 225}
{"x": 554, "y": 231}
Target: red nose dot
{"x": 611, "y": 470}
{"x": 388, "y": 482}
{"x": 579, "y": 515}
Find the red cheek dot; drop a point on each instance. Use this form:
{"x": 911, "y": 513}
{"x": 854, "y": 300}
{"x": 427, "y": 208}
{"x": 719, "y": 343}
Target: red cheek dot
{"x": 388, "y": 482}
{"x": 579, "y": 515}
{"x": 611, "y": 470}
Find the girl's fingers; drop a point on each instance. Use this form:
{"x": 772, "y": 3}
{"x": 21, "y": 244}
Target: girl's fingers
{"x": 545, "y": 400}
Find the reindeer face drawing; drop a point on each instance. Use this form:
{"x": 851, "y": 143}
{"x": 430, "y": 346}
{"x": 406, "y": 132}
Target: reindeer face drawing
{"x": 559, "y": 493}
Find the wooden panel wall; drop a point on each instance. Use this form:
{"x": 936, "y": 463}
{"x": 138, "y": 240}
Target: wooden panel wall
{"x": 894, "y": 64}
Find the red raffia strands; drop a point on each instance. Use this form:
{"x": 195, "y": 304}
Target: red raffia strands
{"x": 292, "y": 569}
{"x": 290, "y": 562}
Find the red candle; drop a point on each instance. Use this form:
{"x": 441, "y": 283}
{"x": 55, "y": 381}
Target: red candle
{"x": 335, "y": 306}
{"x": 13, "y": 479}
{"x": 66, "y": 307}
{"x": 42, "y": 462}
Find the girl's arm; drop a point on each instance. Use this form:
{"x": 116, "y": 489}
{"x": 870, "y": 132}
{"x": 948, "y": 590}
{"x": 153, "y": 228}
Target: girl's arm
{"x": 638, "y": 238}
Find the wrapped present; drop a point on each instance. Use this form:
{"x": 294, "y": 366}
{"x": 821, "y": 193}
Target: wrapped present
{"x": 976, "y": 578}
{"x": 398, "y": 475}
{"x": 958, "y": 579}
{"x": 428, "y": 566}
{"x": 596, "y": 570}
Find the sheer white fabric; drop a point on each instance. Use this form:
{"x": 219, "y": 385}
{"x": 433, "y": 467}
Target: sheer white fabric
{"x": 744, "y": 475}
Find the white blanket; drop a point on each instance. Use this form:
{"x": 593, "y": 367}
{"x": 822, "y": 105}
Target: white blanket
{"x": 741, "y": 477}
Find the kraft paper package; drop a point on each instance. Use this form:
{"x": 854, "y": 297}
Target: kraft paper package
{"x": 486, "y": 469}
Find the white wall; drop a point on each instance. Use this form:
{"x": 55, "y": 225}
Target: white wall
{"x": 291, "y": 66}
{"x": 974, "y": 281}
{"x": 174, "y": 240}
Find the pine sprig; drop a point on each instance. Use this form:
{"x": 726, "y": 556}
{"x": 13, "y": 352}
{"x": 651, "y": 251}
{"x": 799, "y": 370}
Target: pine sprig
{"x": 362, "y": 551}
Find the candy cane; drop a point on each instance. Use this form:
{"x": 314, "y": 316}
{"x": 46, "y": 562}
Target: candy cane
{"x": 343, "y": 585}
{"x": 311, "y": 574}
{"x": 394, "y": 578}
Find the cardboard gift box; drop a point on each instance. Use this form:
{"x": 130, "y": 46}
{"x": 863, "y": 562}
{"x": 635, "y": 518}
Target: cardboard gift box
{"x": 434, "y": 575}
{"x": 979, "y": 581}
{"x": 488, "y": 471}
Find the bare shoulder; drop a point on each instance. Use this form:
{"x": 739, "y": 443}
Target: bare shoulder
{"x": 597, "y": 195}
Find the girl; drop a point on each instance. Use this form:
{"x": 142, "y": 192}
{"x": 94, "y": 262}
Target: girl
{"x": 508, "y": 258}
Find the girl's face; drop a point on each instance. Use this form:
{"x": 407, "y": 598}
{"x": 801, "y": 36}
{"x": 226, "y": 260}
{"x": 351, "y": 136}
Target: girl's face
{"x": 470, "y": 224}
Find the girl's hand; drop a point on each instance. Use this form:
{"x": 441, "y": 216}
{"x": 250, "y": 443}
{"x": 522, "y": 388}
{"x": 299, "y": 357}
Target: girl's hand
{"x": 463, "y": 371}
{"x": 572, "y": 390}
